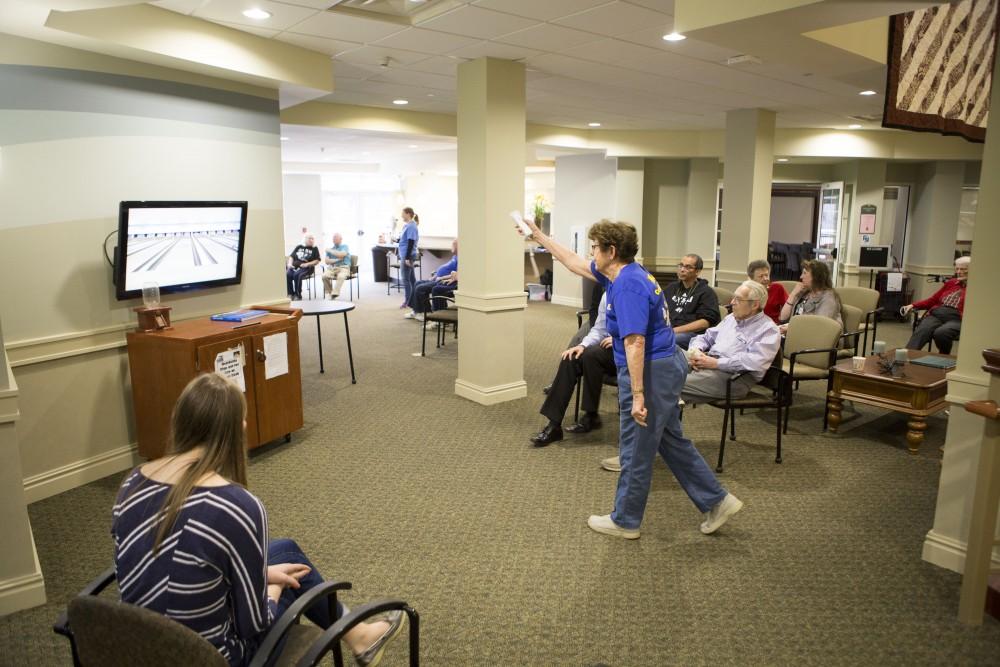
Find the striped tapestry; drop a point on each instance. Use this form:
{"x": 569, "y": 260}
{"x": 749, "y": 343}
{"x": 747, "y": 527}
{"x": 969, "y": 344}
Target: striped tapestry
{"x": 940, "y": 69}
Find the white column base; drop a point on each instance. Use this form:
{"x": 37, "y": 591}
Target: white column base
{"x": 730, "y": 280}
{"x": 573, "y": 302}
{"x": 491, "y": 395}
{"x": 23, "y": 592}
{"x": 949, "y": 553}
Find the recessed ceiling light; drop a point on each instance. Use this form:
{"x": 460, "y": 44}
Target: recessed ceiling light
{"x": 782, "y": 159}
{"x": 594, "y": 124}
{"x": 674, "y": 37}
{"x": 867, "y": 92}
{"x": 854, "y": 126}
{"x": 257, "y": 14}
{"x": 284, "y": 138}
{"x": 401, "y": 102}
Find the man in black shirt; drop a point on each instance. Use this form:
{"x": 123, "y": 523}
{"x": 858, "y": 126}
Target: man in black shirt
{"x": 691, "y": 302}
{"x": 302, "y": 263}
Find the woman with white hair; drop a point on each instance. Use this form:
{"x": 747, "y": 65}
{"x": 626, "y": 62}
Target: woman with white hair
{"x": 944, "y": 312}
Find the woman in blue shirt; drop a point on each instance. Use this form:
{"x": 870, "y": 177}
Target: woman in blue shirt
{"x": 651, "y": 373}
{"x": 191, "y": 542}
{"x": 407, "y": 252}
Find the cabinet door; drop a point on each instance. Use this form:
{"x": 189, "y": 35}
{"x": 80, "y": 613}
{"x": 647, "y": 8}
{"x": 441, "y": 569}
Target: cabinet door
{"x": 207, "y": 355}
{"x": 279, "y": 397}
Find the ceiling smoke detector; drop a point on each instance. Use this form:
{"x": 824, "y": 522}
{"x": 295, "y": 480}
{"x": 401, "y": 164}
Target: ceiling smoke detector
{"x": 743, "y": 59}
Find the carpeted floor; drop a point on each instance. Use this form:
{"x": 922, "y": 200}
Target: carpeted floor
{"x": 406, "y": 490}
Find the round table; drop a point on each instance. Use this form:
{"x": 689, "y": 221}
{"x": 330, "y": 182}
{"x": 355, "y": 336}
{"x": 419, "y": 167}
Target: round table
{"x": 320, "y": 307}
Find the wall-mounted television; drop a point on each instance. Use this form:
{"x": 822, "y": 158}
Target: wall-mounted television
{"x": 875, "y": 257}
{"x": 179, "y": 245}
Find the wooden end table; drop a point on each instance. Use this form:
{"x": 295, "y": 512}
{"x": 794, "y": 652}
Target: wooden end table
{"x": 919, "y": 392}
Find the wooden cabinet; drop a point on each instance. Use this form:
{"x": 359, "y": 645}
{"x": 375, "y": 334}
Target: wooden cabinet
{"x": 161, "y": 364}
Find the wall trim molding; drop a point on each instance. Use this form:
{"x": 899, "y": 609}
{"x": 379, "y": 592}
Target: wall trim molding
{"x": 930, "y": 269}
{"x": 948, "y": 552}
{"x": 574, "y": 302}
{"x": 491, "y": 395}
{"x": 24, "y": 592}
{"x": 58, "y": 480}
{"x": 30, "y": 351}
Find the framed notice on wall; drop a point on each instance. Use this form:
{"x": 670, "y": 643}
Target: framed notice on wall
{"x": 867, "y": 219}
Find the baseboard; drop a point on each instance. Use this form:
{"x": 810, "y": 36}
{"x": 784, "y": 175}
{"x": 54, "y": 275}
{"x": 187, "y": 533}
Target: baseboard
{"x": 56, "y": 481}
{"x": 948, "y": 552}
{"x": 23, "y": 592}
{"x": 491, "y": 395}
{"x": 574, "y": 302}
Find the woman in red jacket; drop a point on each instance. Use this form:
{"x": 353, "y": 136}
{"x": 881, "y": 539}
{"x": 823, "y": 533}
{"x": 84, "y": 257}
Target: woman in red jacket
{"x": 944, "y": 312}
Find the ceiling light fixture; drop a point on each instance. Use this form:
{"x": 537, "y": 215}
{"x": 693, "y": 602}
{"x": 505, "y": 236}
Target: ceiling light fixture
{"x": 257, "y": 14}
{"x": 782, "y": 159}
{"x": 413, "y": 146}
{"x": 401, "y": 102}
{"x": 674, "y": 37}
{"x": 284, "y": 138}
{"x": 867, "y": 93}
{"x": 854, "y": 126}
{"x": 594, "y": 124}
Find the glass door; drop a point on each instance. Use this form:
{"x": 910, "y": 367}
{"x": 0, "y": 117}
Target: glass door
{"x": 828, "y": 230}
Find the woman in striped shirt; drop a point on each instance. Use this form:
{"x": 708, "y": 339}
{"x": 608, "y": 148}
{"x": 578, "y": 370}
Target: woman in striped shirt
{"x": 191, "y": 542}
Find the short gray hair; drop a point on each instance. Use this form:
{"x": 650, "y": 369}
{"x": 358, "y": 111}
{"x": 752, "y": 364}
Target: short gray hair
{"x": 964, "y": 260}
{"x": 757, "y": 291}
{"x": 756, "y": 265}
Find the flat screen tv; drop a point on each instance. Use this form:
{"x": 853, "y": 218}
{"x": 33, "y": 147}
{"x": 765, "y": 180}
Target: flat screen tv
{"x": 179, "y": 245}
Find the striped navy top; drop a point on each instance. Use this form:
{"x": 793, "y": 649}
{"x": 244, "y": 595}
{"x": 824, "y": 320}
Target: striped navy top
{"x": 211, "y": 571}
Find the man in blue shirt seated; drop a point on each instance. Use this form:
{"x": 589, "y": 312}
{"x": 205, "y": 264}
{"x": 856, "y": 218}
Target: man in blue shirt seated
{"x": 592, "y": 359}
{"x": 443, "y": 283}
{"x": 338, "y": 267}
{"x": 746, "y": 340}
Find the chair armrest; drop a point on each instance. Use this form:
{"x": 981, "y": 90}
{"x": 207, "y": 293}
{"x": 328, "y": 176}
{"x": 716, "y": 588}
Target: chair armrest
{"x": 579, "y": 317}
{"x": 332, "y": 635}
{"x": 832, "y": 351}
{"x": 291, "y": 616}
{"x": 98, "y": 584}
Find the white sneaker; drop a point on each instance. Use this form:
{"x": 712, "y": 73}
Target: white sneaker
{"x": 419, "y": 317}
{"x": 721, "y": 513}
{"x": 410, "y": 315}
{"x": 604, "y": 524}
{"x": 613, "y": 464}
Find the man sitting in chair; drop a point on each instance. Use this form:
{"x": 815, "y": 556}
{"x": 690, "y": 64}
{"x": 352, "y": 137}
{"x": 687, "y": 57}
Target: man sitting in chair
{"x": 443, "y": 283}
{"x": 302, "y": 263}
{"x": 592, "y": 359}
{"x": 338, "y": 267}
{"x": 943, "y": 320}
{"x": 691, "y": 303}
{"x": 747, "y": 340}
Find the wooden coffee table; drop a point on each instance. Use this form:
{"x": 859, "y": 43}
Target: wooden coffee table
{"x": 919, "y": 392}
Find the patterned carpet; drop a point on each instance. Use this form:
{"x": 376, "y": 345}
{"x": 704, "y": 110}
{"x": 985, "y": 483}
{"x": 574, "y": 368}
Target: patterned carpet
{"x": 406, "y": 490}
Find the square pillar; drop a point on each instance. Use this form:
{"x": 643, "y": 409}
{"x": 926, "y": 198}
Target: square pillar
{"x": 746, "y": 192}
{"x": 490, "y": 298}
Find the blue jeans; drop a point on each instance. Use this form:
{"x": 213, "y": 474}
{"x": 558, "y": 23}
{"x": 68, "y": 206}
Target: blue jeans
{"x": 682, "y": 339}
{"x": 662, "y": 380}
{"x": 287, "y": 551}
{"x": 409, "y": 277}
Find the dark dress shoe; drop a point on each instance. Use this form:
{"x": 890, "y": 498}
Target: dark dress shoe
{"x": 546, "y": 389}
{"x": 548, "y": 435}
{"x": 587, "y": 423}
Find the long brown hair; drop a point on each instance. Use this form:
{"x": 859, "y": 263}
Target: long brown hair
{"x": 208, "y": 414}
{"x": 821, "y": 280}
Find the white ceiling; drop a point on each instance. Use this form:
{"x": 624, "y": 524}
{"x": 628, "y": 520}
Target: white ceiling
{"x": 588, "y": 61}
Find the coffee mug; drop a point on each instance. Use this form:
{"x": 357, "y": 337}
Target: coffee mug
{"x": 901, "y": 354}
{"x": 878, "y": 347}
{"x": 858, "y": 363}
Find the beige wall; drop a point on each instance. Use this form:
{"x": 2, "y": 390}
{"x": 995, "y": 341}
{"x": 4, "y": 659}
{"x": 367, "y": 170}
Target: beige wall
{"x": 74, "y": 145}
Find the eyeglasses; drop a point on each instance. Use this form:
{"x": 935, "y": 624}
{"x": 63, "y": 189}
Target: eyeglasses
{"x": 744, "y": 300}
{"x": 689, "y": 267}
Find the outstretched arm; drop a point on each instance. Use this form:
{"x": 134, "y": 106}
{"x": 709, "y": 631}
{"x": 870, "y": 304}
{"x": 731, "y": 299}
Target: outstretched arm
{"x": 561, "y": 253}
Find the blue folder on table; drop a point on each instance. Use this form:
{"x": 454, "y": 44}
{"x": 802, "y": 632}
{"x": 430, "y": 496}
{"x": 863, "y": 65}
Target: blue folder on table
{"x": 239, "y": 315}
{"x": 934, "y": 362}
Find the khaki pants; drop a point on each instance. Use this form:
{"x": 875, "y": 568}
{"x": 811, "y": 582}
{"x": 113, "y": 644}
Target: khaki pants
{"x": 338, "y": 273}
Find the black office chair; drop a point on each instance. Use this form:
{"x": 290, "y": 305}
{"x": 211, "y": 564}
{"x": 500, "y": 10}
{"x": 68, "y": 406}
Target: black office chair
{"x": 443, "y": 317}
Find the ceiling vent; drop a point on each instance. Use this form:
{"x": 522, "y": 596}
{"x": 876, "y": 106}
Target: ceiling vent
{"x": 743, "y": 59}
{"x": 870, "y": 118}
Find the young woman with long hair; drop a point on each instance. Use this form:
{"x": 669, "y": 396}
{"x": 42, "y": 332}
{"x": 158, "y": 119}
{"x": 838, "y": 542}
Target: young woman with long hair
{"x": 813, "y": 295}
{"x": 191, "y": 541}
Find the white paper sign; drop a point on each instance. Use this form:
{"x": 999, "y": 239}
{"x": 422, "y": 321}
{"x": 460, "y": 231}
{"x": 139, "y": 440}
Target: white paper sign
{"x": 894, "y": 282}
{"x": 229, "y": 364}
{"x": 275, "y": 355}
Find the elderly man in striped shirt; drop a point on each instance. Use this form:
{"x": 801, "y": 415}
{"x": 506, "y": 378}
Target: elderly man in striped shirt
{"x": 746, "y": 340}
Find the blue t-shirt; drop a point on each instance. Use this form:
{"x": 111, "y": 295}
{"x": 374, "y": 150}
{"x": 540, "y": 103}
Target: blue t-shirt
{"x": 636, "y": 306}
{"x": 339, "y": 261}
{"x": 409, "y": 232}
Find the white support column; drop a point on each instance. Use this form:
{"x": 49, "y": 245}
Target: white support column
{"x": 702, "y": 192}
{"x": 746, "y": 198}
{"x": 937, "y": 202}
{"x": 491, "y": 300}
{"x": 869, "y": 190}
{"x": 629, "y": 182}
{"x": 946, "y": 542}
